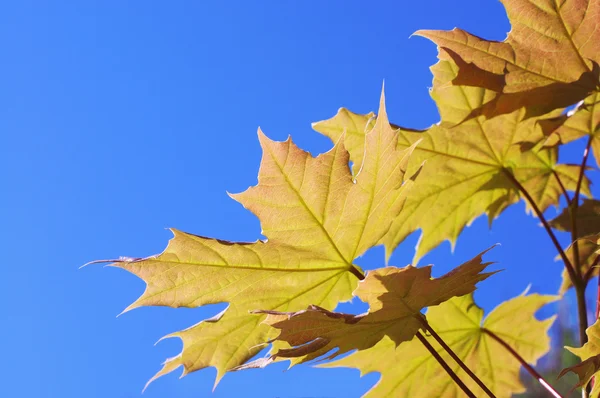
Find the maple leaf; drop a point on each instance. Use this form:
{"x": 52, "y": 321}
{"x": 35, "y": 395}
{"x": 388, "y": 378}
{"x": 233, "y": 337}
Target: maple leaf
{"x": 317, "y": 219}
{"x": 353, "y": 128}
{"x": 396, "y": 297}
{"x": 549, "y": 59}
{"x": 588, "y": 219}
{"x": 589, "y": 257}
{"x": 588, "y": 239}
{"x": 590, "y": 360}
{"x": 409, "y": 369}
{"x": 581, "y": 122}
{"x": 471, "y": 168}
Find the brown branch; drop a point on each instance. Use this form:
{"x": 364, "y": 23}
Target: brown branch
{"x": 570, "y": 270}
{"x": 523, "y": 362}
{"x": 589, "y": 272}
{"x": 447, "y": 368}
{"x": 445, "y": 346}
{"x": 574, "y": 207}
{"x": 562, "y": 187}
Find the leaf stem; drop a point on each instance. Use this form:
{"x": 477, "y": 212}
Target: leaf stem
{"x": 447, "y": 368}
{"x": 460, "y": 363}
{"x": 594, "y": 264}
{"x": 527, "y": 367}
{"x": 586, "y": 154}
{"x": 570, "y": 270}
{"x": 574, "y": 207}
{"x": 589, "y": 272}
{"x": 562, "y": 187}
{"x": 583, "y": 323}
{"x": 580, "y": 287}
{"x": 574, "y": 274}
{"x": 354, "y": 271}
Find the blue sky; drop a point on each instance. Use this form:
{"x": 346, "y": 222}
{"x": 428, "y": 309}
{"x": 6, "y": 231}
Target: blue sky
{"x": 120, "y": 119}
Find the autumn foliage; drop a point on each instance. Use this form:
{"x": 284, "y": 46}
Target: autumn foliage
{"x": 503, "y": 121}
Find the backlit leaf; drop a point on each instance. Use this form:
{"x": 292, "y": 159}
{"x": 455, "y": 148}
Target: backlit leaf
{"x": 589, "y": 257}
{"x": 467, "y": 165}
{"x": 588, "y": 239}
{"x": 409, "y": 370}
{"x": 590, "y": 360}
{"x": 317, "y": 217}
{"x": 588, "y": 219}
{"x": 548, "y": 61}
{"x": 584, "y": 121}
{"x": 353, "y": 128}
{"x": 396, "y": 297}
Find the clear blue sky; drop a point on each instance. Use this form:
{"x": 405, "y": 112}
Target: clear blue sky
{"x": 120, "y": 119}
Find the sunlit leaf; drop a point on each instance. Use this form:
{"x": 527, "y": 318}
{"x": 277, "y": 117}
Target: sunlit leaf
{"x": 588, "y": 239}
{"x": 396, "y": 297}
{"x": 590, "y": 360}
{"x": 317, "y": 217}
{"x": 588, "y": 219}
{"x": 469, "y": 167}
{"x": 353, "y": 128}
{"x": 548, "y": 61}
{"x": 589, "y": 257}
{"x": 410, "y": 371}
{"x": 584, "y": 121}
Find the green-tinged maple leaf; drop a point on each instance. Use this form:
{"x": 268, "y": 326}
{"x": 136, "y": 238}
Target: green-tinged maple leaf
{"x": 581, "y": 122}
{"x": 317, "y": 219}
{"x": 549, "y": 59}
{"x": 468, "y": 166}
{"x": 409, "y": 370}
{"x": 396, "y": 297}
{"x": 590, "y": 357}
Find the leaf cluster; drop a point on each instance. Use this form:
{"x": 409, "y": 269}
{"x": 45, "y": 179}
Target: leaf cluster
{"x": 503, "y": 120}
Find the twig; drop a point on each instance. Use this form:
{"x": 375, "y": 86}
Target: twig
{"x": 445, "y": 346}
{"x": 538, "y": 212}
{"x": 527, "y": 367}
{"x": 589, "y": 272}
{"x": 562, "y": 187}
{"x": 574, "y": 207}
{"x": 441, "y": 361}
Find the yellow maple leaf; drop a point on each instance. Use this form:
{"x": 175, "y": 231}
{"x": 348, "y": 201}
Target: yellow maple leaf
{"x": 396, "y": 297}
{"x": 471, "y": 168}
{"x": 409, "y": 370}
{"x": 590, "y": 360}
{"x": 584, "y": 121}
{"x": 589, "y": 257}
{"x": 549, "y": 59}
{"x": 317, "y": 217}
{"x": 587, "y": 237}
{"x": 588, "y": 219}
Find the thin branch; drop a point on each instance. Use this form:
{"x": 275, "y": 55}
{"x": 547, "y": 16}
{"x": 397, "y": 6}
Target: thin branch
{"x": 570, "y": 270}
{"x": 527, "y": 367}
{"x": 575, "y": 206}
{"x": 463, "y": 366}
{"x": 593, "y": 381}
{"x": 589, "y": 272}
{"x": 583, "y": 322}
{"x": 586, "y": 154}
{"x": 594, "y": 264}
{"x": 562, "y": 187}
{"x": 580, "y": 288}
{"x": 447, "y": 368}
